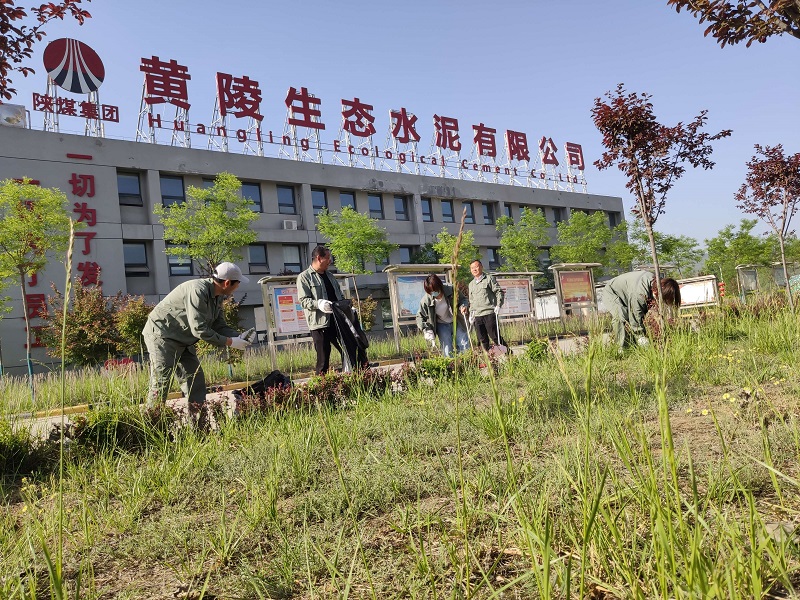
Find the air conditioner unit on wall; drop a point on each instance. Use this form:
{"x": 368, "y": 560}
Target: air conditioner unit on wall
{"x": 290, "y": 225}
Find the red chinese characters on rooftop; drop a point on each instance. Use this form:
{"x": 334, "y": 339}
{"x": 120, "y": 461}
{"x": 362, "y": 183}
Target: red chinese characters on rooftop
{"x": 239, "y": 96}
{"x": 165, "y": 82}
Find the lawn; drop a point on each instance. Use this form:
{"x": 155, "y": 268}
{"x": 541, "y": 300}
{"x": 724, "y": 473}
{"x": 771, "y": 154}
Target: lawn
{"x": 669, "y": 472}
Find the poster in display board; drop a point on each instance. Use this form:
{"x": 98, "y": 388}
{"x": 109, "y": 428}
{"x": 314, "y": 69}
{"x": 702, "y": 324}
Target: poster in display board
{"x": 287, "y": 311}
{"x": 576, "y": 286}
{"x": 517, "y": 296}
{"x": 410, "y": 291}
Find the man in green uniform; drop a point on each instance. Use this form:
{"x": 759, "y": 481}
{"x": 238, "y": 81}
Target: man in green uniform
{"x": 190, "y": 313}
{"x": 628, "y": 297}
{"x": 485, "y": 300}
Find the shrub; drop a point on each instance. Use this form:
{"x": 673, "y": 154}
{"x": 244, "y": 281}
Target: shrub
{"x": 366, "y": 309}
{"x": 537, "y": 350}
{"x": 20, "y": 453}
{"x": 130, "y": 318}
{"x": 123, "y": 430}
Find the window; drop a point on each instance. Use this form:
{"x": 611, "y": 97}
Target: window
{"x": 252, "y": 191}
{"x": 507, "y": 211}
{"x": 405, "y": 254}
{"x": 130, "y": 191}
{"x": 558, "y": 215}
{"x": 427, "y": 210}
{"x": 614, "y": 219}
{"x": 207, "y": 183}
{"x": 291, "y": 259}
{"x": 493, "y": 258}
{"x": 375, "y": 206}
{"x": 135, "y": 255}
{"x": 178, "y": 265}
{"x": 347, "y": 199}
{"x": 286, "y": 202}
{"x": 488, "y": 213}
{"x": 172, "y": 190}
{"x": 401, "y": 208}
{"x": 470, "y": 220}
{"x": 319, "y": 199}
{"x": 257, "y": 258}
{"x": 381, "y": 264}
{"x": 447, "y": 211}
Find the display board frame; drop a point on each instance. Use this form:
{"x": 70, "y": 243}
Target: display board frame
{"x": 575, "y": 288}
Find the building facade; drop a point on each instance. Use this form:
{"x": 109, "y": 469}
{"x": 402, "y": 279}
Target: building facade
{"x": 112, "y": 186}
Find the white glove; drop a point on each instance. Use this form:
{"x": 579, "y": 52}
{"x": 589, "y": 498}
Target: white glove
{"x": 325, "y": 306}
{"x": 497, "y": 309}
{"x": 239, "y": 343}
{"x": 642, "y": 340}
{"x": 429, "y": 335}
{"x": 248, "y": 335}
{"x": 471, "y": 318}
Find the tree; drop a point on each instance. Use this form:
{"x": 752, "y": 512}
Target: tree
{"x": 731, "y": 247}
{"x": 354, "y": 239}
{"x": 33, "y": 222}
{"x": 426, "y": 255}
{"x": 753, "y": 21}
{"x": 521, "y": 241}
{"x": 467, "y": 253}
{"x": 681, "y": 251}
{"x": 210, "y": 225}
{"x": 771, "y": 191}
{"x": 582, "y": 238}
{"x": 17, "y": 39}
{"x": 620, "y": 253}
{"x": 651, "y": 155}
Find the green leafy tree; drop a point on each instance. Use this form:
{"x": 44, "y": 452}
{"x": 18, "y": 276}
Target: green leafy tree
{"x": 426, "y": 255}
{"x": 621, "y": 254}
{"x": 582, "y": 239}
{"x": 210, "y": 225}
{"x": 521, "y": 241}
{"x": 771, "y": 191}
{"x": 740, "y": 21}
{"x": 445, "y": 244}
{"x": 353, "y": 239}
{"x": 681, "y": 251}
{"x": 731, "y": 247}
{"x": 17, "y": 36}
{"x": 33, "y": 222}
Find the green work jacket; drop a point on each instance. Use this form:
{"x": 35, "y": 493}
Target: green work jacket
{"x": 311, "y": 288}
{"x": 484, "y": 294}
{"x": 633, "y": 290}
{"x": 190, "y": 313}
{"x": 426, "y": 315}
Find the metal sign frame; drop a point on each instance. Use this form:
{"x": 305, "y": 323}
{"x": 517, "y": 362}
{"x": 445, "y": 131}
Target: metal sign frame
{"x": 393, "y": 272}
{"x": 747, "y": 278}
{"x": 711, "y": 299}
{"x": 274, "y": 337}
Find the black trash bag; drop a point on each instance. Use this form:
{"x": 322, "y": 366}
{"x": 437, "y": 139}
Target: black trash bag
{"x": 274, "y": 379}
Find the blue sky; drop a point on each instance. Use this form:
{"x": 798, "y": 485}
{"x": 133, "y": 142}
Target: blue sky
{"x": 533, "y": 66}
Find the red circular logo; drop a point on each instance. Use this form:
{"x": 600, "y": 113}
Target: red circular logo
{"x": 74, "y": 66}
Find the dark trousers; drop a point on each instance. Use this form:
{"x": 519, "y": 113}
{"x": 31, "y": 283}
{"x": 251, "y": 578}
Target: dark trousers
{"x": 323, "y": 338}
{"x": 485, "y": 328}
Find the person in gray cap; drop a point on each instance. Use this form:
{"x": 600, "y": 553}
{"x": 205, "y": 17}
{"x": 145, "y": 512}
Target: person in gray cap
{"x": 190, "y": 313}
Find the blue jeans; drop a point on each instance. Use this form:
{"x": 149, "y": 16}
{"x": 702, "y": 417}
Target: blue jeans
{"x": 445, "y": 333}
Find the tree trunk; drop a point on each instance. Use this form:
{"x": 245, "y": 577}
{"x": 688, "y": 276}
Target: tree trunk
{"x": 28, "y": 361}
{"x": 649, "y": 227}
{"x": 786, "y": 272}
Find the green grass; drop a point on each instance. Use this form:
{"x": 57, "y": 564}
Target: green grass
{"x": 664, "y": 473}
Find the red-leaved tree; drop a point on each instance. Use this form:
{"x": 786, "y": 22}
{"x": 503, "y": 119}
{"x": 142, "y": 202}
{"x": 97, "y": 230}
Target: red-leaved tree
{"x": 771, "y": 191}
{"x": 744, "y": 20}
{"x": 17, "y": 38}
{"x": 651, "y": 155}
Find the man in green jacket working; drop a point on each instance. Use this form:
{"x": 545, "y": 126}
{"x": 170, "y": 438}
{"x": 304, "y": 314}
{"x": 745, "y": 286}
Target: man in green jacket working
{"x": 190, "y": 313}
{"x": 485, "y": 299}
{"x": 629, "y": 296}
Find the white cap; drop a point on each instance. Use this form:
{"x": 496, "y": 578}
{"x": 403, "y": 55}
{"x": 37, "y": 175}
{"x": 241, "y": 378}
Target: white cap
{"x": 228, "y": 271}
